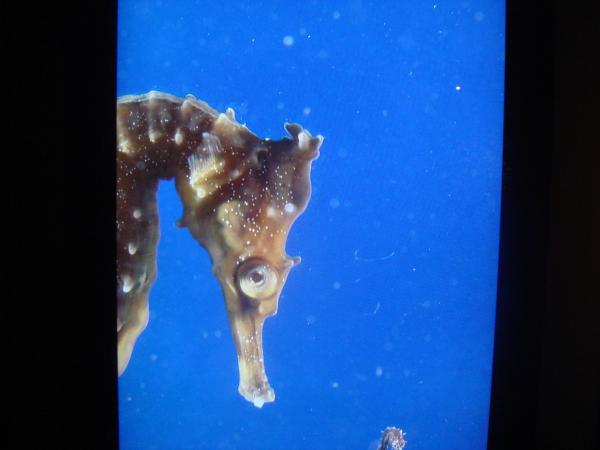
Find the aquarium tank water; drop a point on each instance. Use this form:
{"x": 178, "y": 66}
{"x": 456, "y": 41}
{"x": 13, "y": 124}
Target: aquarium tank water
{"x": 388, "y": 321}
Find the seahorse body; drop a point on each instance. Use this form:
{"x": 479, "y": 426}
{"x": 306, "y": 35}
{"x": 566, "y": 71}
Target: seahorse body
{"x": 240, "y": 194}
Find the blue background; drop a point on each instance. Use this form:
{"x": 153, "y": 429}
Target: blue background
{"x": 389, "y": 319}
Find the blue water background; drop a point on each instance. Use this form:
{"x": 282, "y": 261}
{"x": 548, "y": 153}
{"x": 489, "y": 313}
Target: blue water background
{"x": 389, "y": 319}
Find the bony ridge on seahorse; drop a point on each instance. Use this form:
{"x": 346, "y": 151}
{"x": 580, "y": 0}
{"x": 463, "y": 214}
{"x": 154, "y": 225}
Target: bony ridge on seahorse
{"x": 240, "y": 194}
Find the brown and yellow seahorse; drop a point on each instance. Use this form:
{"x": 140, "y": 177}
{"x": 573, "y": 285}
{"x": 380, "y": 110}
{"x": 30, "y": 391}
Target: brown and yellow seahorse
{"x": 241, "y": 194}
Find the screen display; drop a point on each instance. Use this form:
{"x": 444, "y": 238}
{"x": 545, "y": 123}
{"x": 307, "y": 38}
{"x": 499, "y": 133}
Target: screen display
{"x": 308, "y": 243}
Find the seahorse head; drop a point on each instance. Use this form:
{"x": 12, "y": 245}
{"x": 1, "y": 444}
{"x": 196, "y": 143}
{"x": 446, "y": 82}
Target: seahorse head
{"x": 252, "y": 191}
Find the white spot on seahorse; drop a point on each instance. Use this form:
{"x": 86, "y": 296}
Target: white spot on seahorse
{"x": 153, "y": 135}
{"x": 178, "y": 137}
{"x": 137, "y": 213}
{"x": 224, "y": 118}
{"x": 132, "y": 248}
{"x": 229, "y": 112}
{"x": 271, "y": 212}
{"x": 289, "y": 208}
{"x": 200, "y": 192}
{"x": 124, "y": 147}
{"x": 303, "y": 140}
{"x": 127, "y": 284}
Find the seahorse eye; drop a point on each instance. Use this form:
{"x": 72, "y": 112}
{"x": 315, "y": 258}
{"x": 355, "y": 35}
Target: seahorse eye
{"x": 257, "y": 279}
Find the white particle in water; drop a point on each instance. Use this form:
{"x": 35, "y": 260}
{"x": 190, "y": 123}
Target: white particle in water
{"x": 288, "y": 40}
{"x": 378, "y": 371}
{"x": 337, "y": 285}
{"x": 334, "y": 203}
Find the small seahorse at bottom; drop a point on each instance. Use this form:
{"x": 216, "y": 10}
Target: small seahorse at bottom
{"x": 393, "y": 437}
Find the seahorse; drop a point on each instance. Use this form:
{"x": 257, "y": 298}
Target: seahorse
{"x": 240, "y": 195}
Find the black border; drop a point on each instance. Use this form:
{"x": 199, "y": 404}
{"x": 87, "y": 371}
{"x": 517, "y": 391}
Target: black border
{"x": 546, "y": 360}
{"x": 92, "y": 409}
{"x": 527, "y": 158}
{"x": 59, "y": 108}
